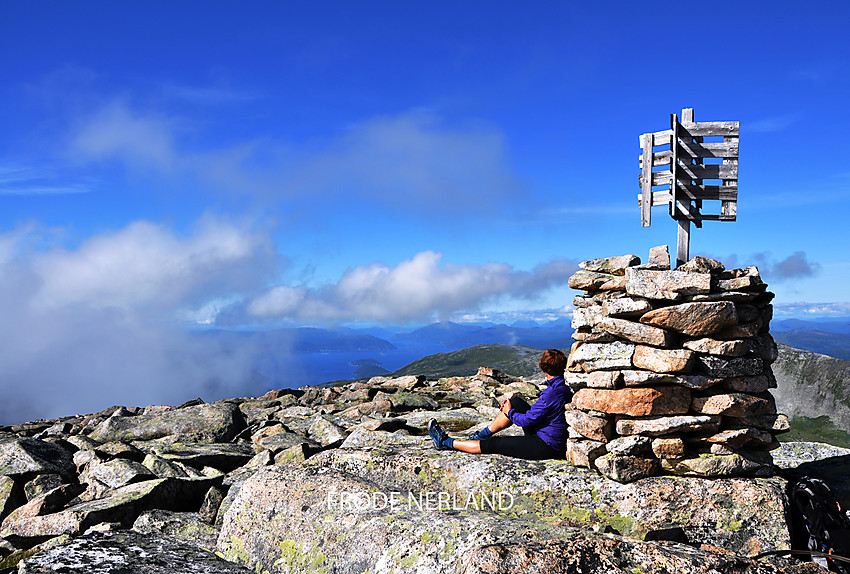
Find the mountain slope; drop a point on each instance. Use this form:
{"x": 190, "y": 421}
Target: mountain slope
{"x": 513, "y": 359}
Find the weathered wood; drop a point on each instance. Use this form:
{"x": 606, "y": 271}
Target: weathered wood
{"x": 682, "y": 240}
{"x": 725, "y": 149}
{"x": 711, "y": 171}
{"x": 699, "y": 129}
{"x": 658, "y": 158}
{"x": 662, "y": 178}
{"x": 685, "y": 191}
{"x": 646, "y": 192}
{"x": 709, "y": 192}
{"x": 664, "y": 137}
{"x": 674, "y": 163}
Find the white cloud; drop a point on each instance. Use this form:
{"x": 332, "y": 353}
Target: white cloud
{"x": 117, "y": 131}
{"x": 408, "y": 161}
{"x": 88, "y": 327}
{"x": 147, "y": 265}
{"x": 420, "y": 288}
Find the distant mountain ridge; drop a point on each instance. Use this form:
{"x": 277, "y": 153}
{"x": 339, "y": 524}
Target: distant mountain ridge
{"x": 813, "y": 389}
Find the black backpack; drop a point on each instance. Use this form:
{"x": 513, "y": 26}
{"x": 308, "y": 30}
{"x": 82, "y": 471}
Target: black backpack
{"x": 827, "y": 526}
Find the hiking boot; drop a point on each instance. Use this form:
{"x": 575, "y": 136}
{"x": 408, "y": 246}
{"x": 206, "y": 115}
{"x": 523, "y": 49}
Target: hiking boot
{"x": 439, "y": 436}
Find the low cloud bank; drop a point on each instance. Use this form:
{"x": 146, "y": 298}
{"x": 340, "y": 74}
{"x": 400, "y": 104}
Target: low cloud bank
{"x": 105, "y": 322}
{"x": 87, "y": 328}
{"x": 794, "y": 266}
{"x": 419, "y": 289}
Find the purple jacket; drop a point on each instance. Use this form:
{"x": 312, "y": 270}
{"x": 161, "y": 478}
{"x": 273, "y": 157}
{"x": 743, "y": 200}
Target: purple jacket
{"x": 546, "y": 417}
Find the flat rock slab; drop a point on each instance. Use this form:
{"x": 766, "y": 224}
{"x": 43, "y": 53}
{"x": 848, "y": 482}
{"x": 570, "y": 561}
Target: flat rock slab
{"x": 740, "y": 514}
{"x": 223, "y": 456}
{"x": 127, "y": 553}
{"x": 294, "y": 519}
{"x": 217, "y": 422}
{"x": 123, "y": 505}
{"x": 29, "y": 456}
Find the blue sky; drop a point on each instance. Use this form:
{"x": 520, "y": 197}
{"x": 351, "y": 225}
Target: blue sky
{"x": 324, "y": 163}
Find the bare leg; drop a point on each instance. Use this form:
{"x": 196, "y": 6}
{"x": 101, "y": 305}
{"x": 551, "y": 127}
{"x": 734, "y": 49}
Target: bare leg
{"x": 474, "y": 446}
{"x": 470, "y": 446}
{"x": 499, "y": 423}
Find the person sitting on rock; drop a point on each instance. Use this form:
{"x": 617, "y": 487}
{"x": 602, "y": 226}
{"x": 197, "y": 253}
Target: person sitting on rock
{"x": 544, "y": 423}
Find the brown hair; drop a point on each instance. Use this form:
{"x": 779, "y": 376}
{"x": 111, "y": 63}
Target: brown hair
{"x": 553, "y": 362}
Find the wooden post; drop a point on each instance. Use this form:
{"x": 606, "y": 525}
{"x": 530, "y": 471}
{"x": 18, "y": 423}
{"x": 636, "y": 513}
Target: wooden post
{"x": 646, "y": 142}
{"x": 683, "y": 237}
{"x": 680, "y": 206}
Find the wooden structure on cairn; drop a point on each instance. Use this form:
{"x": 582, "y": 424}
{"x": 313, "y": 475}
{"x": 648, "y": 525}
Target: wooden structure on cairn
{"x": 671, "y": 369}
{"x": 689, "y": 160}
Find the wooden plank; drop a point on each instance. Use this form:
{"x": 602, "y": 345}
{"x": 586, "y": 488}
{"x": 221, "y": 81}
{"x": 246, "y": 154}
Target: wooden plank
{"x": 661, "y": 197}
{"x": 664, "y": 137}
{"x": 709, "y": 192}
{"x": 646, "y": 182}
{"x": 695, "y": 171}
{"x": 658, "y": 158}
{"x": 662, "y": 178}
{"x": 729, "y": 210}
{"x": 700, "y": 129}
{"x": 688, "y": 115}
{"x": 709, "y": 149}
{"x": 674, "y": 162}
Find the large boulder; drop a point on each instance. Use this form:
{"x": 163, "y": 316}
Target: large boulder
{"x": 314, "y": 518}
{"x": 740, "y": 514}
{"x": 217, "y": 422}
{"x": 27, "y": 457}
{"x": 129, "y": 552}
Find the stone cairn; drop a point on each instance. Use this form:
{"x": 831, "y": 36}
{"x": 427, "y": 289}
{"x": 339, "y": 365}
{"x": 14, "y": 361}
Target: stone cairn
{"x": 671, "y": 369}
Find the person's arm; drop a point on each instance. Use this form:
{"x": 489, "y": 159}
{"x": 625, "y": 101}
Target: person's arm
{"x": 535, "y": 413}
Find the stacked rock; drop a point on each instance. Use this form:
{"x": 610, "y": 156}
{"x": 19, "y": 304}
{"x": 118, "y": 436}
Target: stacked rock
{"x": 671, "y": 369}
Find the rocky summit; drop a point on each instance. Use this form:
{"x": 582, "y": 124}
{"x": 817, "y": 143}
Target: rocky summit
{"x": 669, "y": 467}
{"x": 346, "y": 479}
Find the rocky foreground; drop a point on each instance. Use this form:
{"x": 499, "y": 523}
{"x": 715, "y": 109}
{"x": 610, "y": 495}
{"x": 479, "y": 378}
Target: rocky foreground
{"x": 346, "y": 479}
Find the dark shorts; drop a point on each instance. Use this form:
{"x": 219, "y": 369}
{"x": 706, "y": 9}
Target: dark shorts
{"x": 530, "y": 446}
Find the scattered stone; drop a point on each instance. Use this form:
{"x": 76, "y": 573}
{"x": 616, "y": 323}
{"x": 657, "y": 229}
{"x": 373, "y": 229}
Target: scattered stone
{"x": 587, "y": 280}
{"x": 206, "y": 423}
{"x": 127, "y": 551}
{"x": 20, "y": 457}
{"x": 604, "y": 379}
